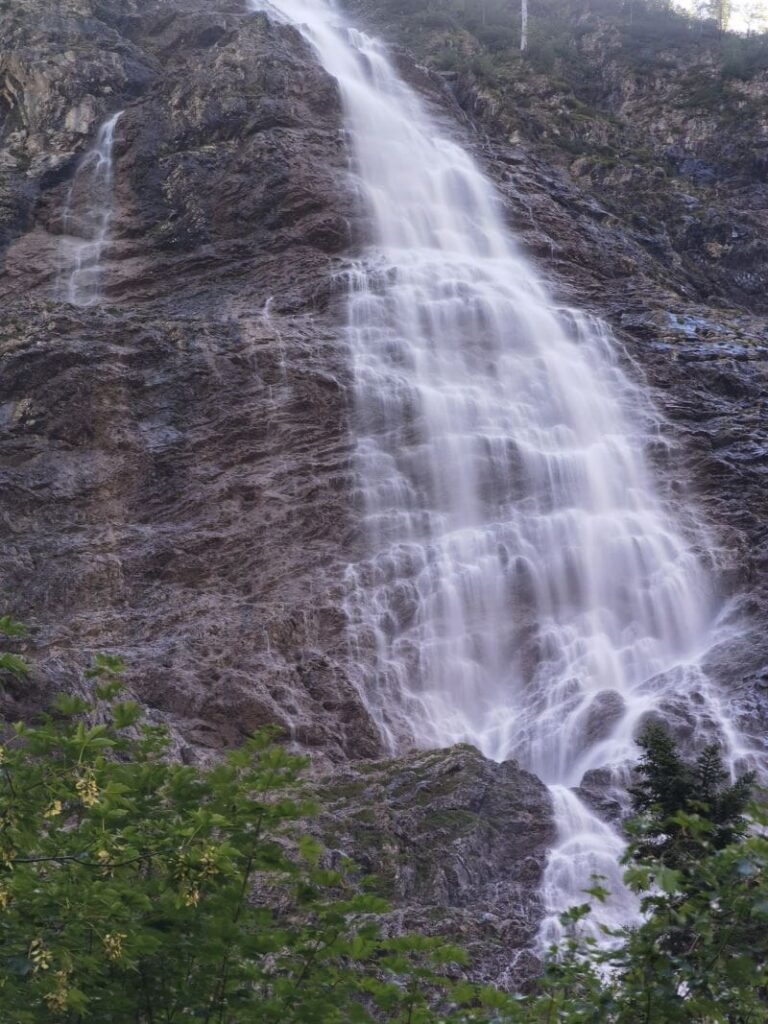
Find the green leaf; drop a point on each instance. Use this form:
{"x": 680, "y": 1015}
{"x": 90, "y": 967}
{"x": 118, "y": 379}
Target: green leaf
{"x": 14, "y": 665}
{"x": 108, "y": 665}
{"x": 126, "y": 714}
{"x": 667, "y": 879}
{"x": 70, "y": 705}
{"x": 10, "y": 628}
{"x": 599, "y": 892}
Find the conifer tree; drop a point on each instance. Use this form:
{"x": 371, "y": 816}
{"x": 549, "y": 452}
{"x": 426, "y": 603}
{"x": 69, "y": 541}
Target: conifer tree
{"x": 667, "y": 786}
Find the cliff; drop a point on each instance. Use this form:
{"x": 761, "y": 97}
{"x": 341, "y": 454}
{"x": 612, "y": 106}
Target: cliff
{"x": 176, "y": 462}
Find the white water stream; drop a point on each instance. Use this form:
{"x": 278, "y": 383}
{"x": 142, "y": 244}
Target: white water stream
{"x": 87, "y": 219}
{"x": 527, "y": 590}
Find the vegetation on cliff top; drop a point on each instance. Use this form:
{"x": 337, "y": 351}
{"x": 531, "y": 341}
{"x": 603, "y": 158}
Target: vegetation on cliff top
{"x": 581, "y": 59}
{"x": 137, "y": 889}
{"x": 656, "y": 114}
{"x": 484, "y": 35}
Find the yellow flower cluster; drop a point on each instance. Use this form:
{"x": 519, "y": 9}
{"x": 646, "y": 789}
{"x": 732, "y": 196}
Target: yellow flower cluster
{"x": 41, "y": 957}
{"x": 207, "y": 868}
{"x": 57, "y": 999}
{"x": 113, "y": 944}
{"x": 54, "y": 810}
{"x": 87, "y": 789}
{"x": 192, "y": 896}
{"x": 2, "y": 755}
{"x": 208, "y": 862}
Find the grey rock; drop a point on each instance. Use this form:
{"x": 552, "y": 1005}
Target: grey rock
{"x": 458, "y": 845}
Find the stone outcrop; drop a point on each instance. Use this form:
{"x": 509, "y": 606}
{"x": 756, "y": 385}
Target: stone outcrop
{"x": 457, "y": 844}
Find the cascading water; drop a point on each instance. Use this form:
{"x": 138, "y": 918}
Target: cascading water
{"x": 527, "y": 590}
{"x": 86, "y": 221}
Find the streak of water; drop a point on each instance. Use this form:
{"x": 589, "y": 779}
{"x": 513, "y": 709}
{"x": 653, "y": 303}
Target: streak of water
{"x": 586, "y": 848}
{"x": 527, "y": 590}
{"x": 87, "y": 219}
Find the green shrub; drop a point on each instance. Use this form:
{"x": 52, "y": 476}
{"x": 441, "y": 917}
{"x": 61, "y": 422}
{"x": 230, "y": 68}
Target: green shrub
{"x": 668, "y": 786}
{"x": 744, "y": 58}
{"x": 498, "y": 38}
{"x": 137, "y": 889}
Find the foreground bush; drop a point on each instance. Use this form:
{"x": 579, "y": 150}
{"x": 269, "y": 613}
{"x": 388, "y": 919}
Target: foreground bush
{"x": 134, "y": 888}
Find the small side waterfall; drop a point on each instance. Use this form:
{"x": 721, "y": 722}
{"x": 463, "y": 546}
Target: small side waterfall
{"x": 86, "y": 221}
{"x": 527, "y": 590}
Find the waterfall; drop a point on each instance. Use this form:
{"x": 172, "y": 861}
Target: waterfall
{"x": 526, "y": 589}
{"x": 86, "y": 221}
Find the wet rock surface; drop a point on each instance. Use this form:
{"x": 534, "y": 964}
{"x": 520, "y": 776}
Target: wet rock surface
{"x": 458, "y": 845}
{"x": 157, "y": 474}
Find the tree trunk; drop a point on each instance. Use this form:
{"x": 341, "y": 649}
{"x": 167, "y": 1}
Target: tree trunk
{"x": 523, "y": 25}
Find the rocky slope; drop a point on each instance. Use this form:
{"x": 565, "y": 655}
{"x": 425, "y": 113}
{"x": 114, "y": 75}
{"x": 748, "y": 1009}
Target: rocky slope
{"x": 659, "y": 118}
{"x": 175, "y": 464}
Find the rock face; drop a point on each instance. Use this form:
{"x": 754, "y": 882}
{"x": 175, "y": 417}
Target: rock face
{"x": 175, "y": 465}
{"x": 458, "y": 845}
{"x": 660, "y": 122}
